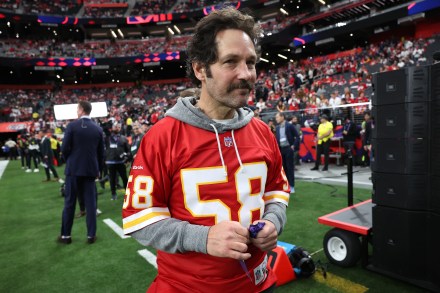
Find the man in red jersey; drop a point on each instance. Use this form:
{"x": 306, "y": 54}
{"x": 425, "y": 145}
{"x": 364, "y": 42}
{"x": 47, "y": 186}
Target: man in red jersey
{"x": 209, "y": 170}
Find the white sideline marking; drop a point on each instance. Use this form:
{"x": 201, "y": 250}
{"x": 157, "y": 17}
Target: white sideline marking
{"x": 116, "y": 228}
{"x": 345, "y": 181}
{"x": 151, "y": 258}
{"x": 145, "y": 253}
{"x": 3, "y": 165}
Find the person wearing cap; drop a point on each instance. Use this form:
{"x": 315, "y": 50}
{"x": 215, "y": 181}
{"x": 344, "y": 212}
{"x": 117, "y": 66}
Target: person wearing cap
{"x": 325, "y": 133}
{"x": 145, "y": 127}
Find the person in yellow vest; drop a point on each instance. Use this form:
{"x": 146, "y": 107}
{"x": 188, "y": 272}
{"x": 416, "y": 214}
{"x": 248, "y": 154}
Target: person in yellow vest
{"x": 129, "y": 126}
{"x": 325, "y": 133}
{"x": 54, "y": 145}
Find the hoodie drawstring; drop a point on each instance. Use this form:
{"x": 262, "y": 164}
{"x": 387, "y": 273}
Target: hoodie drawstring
{"x": 220, "y": 149}
{"x": 236, "y": 151}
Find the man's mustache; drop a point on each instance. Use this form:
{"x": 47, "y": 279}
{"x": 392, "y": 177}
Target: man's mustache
{"x": 243, "y": 84}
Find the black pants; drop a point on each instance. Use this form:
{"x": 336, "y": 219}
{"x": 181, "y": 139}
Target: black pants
{"x": 49, "y": 163}
{"x": 23, "y": 157}
{"x": 13, "y": 153}
{"x": 34, "y": 156}
{"x": 296, "y": 158}
{"x": 75, "y": 186}
{"x": 323, "y": 148}
{"x": 288, "y": 164}
{"x": 112, "y": 169}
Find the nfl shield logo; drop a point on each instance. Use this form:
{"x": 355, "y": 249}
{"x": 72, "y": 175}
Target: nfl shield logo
{"x": 228, "y": 141}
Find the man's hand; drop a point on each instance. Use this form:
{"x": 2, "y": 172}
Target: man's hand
{"x": 228, "y": 239}
{"x": 267, "y": 238}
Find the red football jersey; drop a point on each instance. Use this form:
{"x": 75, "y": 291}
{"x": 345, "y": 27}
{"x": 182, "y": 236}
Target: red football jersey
{"x": 178, "y": 173}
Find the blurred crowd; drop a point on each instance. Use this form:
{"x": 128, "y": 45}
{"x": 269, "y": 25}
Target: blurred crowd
{"x": 40, "y": 48}
{"x": 391, "y": 53}
{"x": 97, "y": 49}
{"x": 66, "y": 7}
{"x": 152, "y": 7}
{"x": 305, "y": 86}
{"x": 104, "y": 12}
{"x": 54, "y": 7}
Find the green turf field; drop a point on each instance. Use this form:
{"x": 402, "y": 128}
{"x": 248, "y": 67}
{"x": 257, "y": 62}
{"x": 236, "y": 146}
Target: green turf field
{"x": 32, "y": 261}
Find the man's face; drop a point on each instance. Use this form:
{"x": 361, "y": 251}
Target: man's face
{"x": 136, "y": 130}
{"x": 145, "y": 128}
{"x": 278, "y": 118}
{"x": 116, "y": 128}
{"x": 230, "y": 80}
{"x": 79, "y": 111}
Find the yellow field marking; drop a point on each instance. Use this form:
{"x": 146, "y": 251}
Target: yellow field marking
{"x": 339, "y": 284}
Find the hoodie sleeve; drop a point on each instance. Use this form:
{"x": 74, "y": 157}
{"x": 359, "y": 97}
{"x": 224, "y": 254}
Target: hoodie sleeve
{"x": 173, "y": 235}
{"x": 277, "y": 192}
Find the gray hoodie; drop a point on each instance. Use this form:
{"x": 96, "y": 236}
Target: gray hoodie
{"x": 173, "y": 235}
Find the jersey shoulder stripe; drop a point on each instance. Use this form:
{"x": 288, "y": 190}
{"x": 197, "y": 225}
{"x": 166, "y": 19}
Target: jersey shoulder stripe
{"x": 144, "y": 218}
{"x": 276, "y": 196}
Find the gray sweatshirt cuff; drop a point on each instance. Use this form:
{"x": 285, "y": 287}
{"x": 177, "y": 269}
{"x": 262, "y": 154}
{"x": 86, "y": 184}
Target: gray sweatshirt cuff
{"x": 195, "y": 238}
{"x": 276, "y": 213}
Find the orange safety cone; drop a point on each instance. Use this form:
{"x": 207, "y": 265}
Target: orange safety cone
{"x": 279, "y": 262}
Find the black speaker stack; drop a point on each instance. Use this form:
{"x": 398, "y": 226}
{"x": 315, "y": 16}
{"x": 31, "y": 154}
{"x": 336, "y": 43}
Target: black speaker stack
{"x": 405, "y": 162}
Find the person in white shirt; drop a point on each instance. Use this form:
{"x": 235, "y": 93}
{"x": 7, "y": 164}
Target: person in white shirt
{"x": 261, "y": 104}
{"x": 334, "y": 100}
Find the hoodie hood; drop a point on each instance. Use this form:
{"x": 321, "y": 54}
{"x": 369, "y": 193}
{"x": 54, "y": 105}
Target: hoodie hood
{"x": 185, "y": 111}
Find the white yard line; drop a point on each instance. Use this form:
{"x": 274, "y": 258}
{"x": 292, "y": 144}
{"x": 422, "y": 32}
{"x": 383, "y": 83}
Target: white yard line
{"x": 150, "y": 257}
{"x": 345, "y": 181}
{"x": 145, "y": 253}
{"x": 118, "y": 230}
{"x": 3, "y": 165}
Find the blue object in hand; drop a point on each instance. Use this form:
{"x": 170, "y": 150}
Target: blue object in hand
{"x": 254, "y": 229}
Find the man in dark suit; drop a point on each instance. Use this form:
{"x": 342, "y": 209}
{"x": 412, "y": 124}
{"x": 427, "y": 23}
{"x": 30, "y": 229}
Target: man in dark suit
{"x": 288, "y": 141}
{"x": 47, "y": 154}
{"x": 83, "y": 151}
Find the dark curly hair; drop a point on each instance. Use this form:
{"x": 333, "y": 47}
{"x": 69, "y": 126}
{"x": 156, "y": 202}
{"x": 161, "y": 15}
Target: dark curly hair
{"x": 202, "y": 48}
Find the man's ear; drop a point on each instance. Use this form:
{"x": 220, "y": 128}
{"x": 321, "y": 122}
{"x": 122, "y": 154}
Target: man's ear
{"x": 199, "y": 71}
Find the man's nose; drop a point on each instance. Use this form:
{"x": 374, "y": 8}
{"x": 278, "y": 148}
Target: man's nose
{"x": 244, "y": 72}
